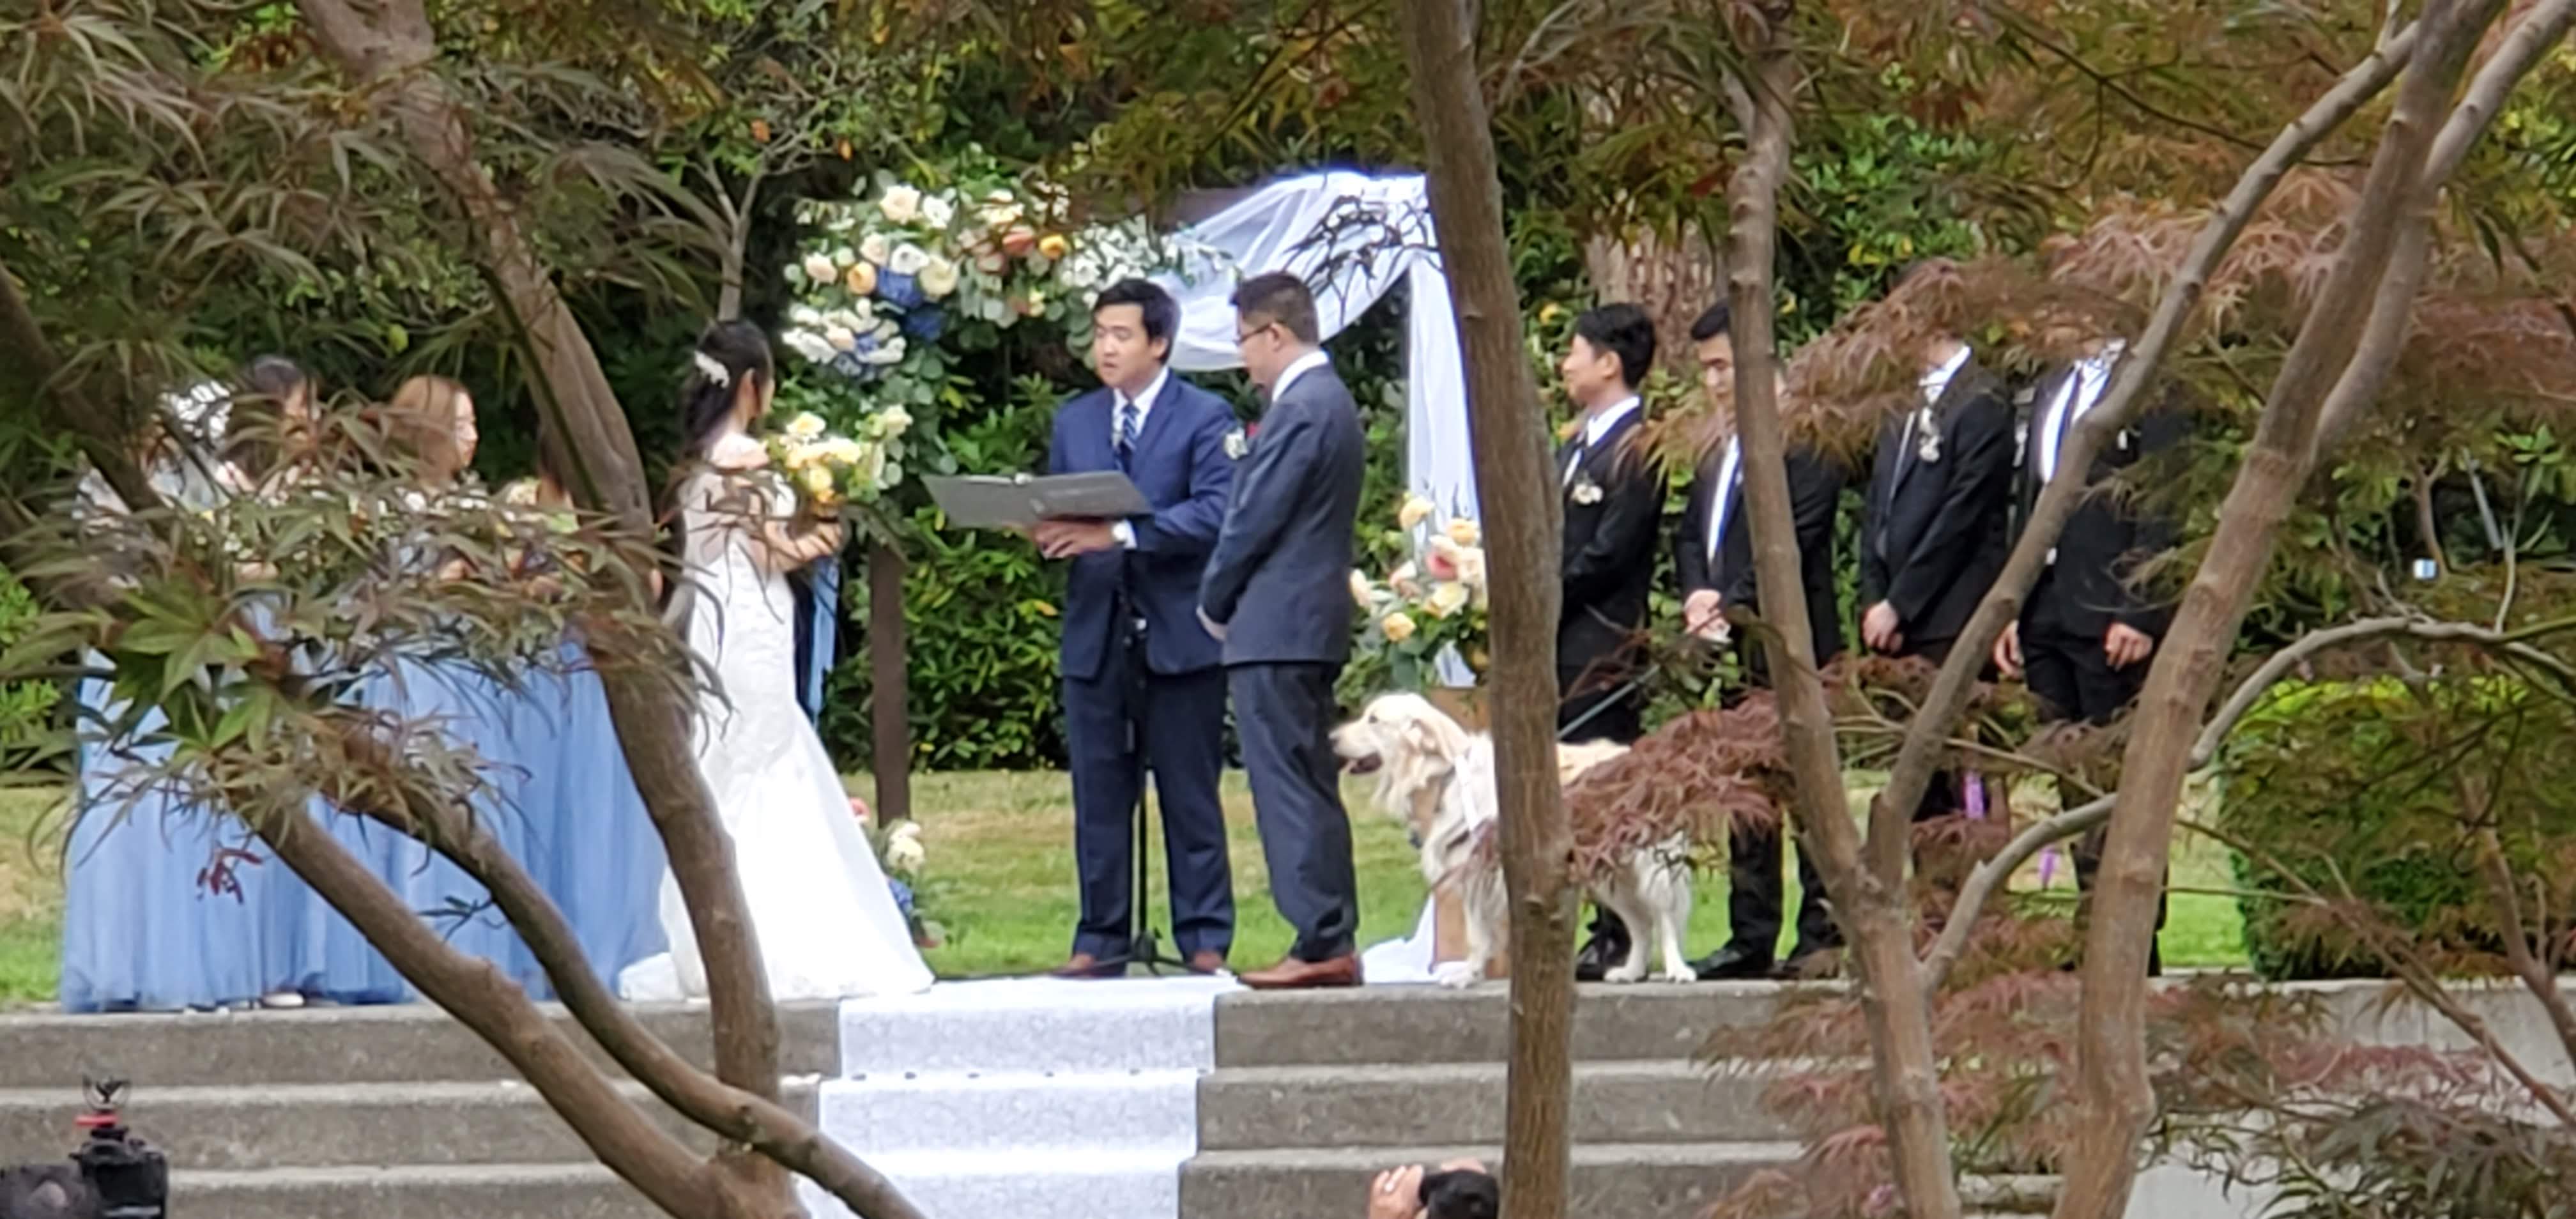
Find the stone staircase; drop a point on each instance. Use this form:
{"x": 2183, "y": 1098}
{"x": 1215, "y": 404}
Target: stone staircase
{"x": 1314, "y": 1094}
{"x": 353, "y": 1113}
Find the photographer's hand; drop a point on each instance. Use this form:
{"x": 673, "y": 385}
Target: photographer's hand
{"x": 1397, "y": 1194}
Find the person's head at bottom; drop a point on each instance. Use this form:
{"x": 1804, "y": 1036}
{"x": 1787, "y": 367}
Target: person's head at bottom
{"x": 1460, "y": 1189}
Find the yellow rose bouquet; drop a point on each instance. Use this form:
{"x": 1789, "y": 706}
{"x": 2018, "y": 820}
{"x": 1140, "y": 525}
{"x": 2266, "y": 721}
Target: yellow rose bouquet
{"x": 1432, "y": 601}
{"x": 828, "y": 471}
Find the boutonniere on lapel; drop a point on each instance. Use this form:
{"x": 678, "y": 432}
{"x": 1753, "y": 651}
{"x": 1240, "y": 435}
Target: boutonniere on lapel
{"x": 1586, "y": 491}
{"x": 1237, "y": 443}
{"x": 1927, "y": 437}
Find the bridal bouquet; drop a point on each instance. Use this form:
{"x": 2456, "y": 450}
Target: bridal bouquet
{"x": 1432, "y": 601}
{"x": 827, "y": 470}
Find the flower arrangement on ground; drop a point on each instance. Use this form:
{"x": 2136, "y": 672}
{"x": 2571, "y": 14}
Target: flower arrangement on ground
{"x": 900, "y": 853}
{"x": 1432, "y": 601}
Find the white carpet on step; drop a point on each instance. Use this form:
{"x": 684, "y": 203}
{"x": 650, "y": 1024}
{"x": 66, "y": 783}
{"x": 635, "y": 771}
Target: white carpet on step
{"x": 1033, "y": 1098}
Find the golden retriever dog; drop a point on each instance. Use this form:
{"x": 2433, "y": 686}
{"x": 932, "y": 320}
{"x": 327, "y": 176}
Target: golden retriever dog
{"x": 1438, "y": 778}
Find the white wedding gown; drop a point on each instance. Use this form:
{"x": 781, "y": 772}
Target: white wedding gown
{"x": 827, "y": 924}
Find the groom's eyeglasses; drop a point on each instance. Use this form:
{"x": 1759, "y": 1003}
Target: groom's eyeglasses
{"x": 1242, "y": 337}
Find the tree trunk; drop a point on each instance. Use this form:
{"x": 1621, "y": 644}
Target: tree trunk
{"x": 1516, "y": 500}
{"x": 2326, "y": 360}
{"x": 889, "y": 708}
{"x": 1874, "y": 914}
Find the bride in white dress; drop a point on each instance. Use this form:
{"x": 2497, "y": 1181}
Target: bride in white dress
{"x": 827, "y": 923}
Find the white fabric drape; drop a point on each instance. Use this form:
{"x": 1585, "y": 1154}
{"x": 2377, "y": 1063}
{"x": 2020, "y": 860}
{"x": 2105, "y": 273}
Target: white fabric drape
{"x": 1351, "y": 237}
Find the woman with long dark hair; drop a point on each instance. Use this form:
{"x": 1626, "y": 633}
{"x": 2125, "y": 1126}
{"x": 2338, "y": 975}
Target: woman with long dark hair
{"x": 827, "y": 922}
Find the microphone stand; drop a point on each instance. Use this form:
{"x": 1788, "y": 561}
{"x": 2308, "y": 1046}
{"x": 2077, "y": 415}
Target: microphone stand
{"x": 1145, "y": 948}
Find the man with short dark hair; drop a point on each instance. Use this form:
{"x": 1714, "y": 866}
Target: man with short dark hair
{"x": 1614, "y": 509}
{"x": 1278, "y": 594}
{"x": 1142, "y": 682}
{"x": 1714, "y": 558}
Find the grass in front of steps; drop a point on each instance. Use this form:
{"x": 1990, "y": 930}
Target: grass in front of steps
{"x": 1000, "y": 880}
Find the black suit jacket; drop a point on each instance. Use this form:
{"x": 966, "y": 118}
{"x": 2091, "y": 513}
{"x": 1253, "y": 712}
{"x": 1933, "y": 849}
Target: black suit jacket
{"x": 1609, "y": 564}
{"x": 1280, "y": 578}
{"x": 2087, "y": 586}
{"x": 1815, "y": 492}
{"x": 1180, "y": 464}
{"x": 1933, "y": 541}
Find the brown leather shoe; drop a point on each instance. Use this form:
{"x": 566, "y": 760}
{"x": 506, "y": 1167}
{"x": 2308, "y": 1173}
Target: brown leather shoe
{"x": 1085, "y": 965}
{"x": 1293, "y": 974}
{"x": 1207, "y": 962}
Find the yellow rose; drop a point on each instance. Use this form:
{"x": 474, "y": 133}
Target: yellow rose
{"x": 1398, "y": 627}
{"x": 1054, "y": 246}
{"x": 1464, "y": 532}
{"x": 818, "y": 480}
{"x": 894, "y": 419}
{"x": 861, "y": 280}
{"x": 1446, "y": 600}
{"x": 800, "y": 456}
{"x": 805, "y": 426}
{"x": 1415, "y": 511}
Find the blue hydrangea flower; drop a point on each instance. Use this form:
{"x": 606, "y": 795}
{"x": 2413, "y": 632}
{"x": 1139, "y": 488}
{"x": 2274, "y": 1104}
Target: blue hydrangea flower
{"x": 899, "y": 290}
{"x": 925, "y": 323}
{"x": 902, "y": 896}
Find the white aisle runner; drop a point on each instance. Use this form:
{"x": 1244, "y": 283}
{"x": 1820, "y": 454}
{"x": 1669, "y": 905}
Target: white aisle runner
{"x": 1027, "y": 1098}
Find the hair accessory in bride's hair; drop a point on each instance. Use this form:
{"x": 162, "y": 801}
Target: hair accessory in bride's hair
{"x": 714, "y": 370}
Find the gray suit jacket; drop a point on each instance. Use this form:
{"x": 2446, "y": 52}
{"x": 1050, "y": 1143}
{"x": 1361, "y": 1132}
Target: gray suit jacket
{"x": 1280, "y": 578}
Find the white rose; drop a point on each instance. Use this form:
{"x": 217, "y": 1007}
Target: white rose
{"x": 820, "y": 269}
{"x": 938, "y": 278}
{"x": 1362, "y": 592}
{"x": 842, "y": 260}
{"x": 1415, "y": 511}
{"x": 908, "y": 259}
{"x": 805, "y": 426}
{"x": 1447, "y": 599}
{"x": 938, "y": 212}
{"x": 901, "y": 204}
{"x": 894, "y": 419}
{"x": 874, "y": 248}
{"x": 840, "y": 338}
{"x": 808, "y": 344}
{"x": 1471, "y": 568}
{"x": 888, "y": 352}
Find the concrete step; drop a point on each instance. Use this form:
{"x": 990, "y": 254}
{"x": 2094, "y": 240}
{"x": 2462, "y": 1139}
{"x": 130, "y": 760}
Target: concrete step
{"x": 402, "y": 1043}
{"x": 1430, "y": 1024}
{"x": 1243, "y": 1109}
{"x": 1035, "y": 1025}
{"x": 490, "y": 1191}
{"x": 1007, "y": 1114}
{"x": 1063, "y": 1184}
{"x": 338, "y": 1125}
{"x": 1610, "y": 1180}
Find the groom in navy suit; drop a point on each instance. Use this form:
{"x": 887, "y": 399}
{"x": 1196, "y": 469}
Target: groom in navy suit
{"x": 1137, "y": 667}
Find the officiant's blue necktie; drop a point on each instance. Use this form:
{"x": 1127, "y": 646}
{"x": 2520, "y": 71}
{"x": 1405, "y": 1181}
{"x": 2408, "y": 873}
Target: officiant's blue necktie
{"x": 1126, "y": 432}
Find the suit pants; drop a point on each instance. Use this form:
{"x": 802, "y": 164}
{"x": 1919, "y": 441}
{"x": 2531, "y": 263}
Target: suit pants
{"x": 1754, "y": 893}
{"x": 1284, "y": 717}
{"x": 2070, "y": 674}
{"x": 1180, "y": 720}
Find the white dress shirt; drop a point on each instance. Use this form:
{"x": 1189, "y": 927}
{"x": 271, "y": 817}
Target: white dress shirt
{"x": 2074, "y": 400}
{"x": 1730, "y": 471}
{"x": 1299, "y": 367}
{"x": 1121, "y": 530}
{"x": 1595, "y": 426}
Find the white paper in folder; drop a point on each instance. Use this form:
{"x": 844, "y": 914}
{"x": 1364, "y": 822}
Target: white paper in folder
{"x": 1020, "y": 501}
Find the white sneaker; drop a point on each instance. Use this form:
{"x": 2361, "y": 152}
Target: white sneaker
{"x": 284, "y": 1000}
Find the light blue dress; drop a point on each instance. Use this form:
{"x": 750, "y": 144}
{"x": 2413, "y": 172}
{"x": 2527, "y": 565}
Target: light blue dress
{"x": 166, "y": 906}
{"x": 589, "y": 840}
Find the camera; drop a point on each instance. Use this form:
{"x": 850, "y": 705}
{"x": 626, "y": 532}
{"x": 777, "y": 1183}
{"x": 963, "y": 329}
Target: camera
{"x": 113, "y": 1175}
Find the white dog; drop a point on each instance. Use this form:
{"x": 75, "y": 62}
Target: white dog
{"x": 1439, "y": 779}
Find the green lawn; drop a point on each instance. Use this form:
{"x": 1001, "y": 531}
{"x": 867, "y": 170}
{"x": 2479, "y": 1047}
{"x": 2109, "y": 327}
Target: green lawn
{"x": 1000, "y": 879}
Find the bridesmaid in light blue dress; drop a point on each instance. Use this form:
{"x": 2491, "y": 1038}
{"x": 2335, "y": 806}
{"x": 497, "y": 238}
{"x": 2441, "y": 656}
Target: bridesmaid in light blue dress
{"x": 433, "y": 419}
{"x": 590, "y": 842}
{"x": 167, "y": 906}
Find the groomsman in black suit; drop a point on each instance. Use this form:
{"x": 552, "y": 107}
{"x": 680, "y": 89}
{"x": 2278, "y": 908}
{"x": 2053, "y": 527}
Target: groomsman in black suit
{"x": 2086, "y": 632}
{"x": 1940, "y": 499}
{"x": 1278, "y": 594}
{"x": 1138, "y": 669}
{"x": 1614, "y": 508}
{"x": 1714, "y": 557}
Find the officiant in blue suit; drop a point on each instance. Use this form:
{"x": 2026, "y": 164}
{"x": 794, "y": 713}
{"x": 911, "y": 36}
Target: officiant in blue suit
{"x": 1134, "y": 653}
